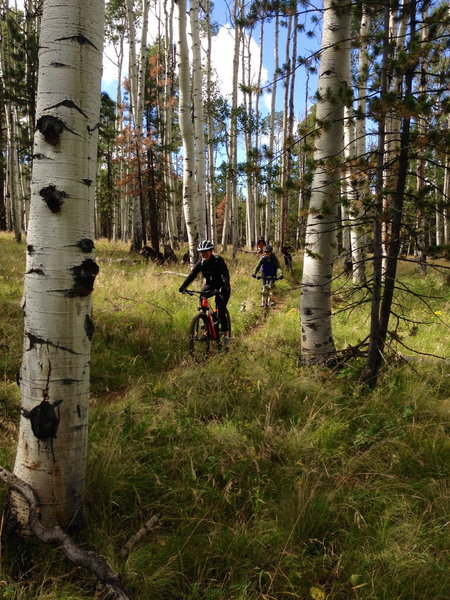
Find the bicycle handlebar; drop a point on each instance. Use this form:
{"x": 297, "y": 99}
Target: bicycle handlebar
{"x": 273, "y": 278}
{"x": 206, "y": 294}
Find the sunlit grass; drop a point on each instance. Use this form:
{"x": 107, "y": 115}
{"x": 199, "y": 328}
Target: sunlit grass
{"x": 267, "y": 479}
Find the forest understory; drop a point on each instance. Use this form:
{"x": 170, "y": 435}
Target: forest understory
{"x": 261, "y": 479}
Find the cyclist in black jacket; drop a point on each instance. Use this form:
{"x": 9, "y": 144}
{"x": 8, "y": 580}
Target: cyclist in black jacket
{"x": 217, "y": 277}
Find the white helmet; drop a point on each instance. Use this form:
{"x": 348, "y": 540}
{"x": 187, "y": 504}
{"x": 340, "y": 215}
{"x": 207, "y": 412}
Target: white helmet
{"x": 205, "y": 245}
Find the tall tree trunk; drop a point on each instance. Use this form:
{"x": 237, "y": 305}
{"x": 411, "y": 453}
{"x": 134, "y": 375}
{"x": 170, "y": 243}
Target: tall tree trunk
{"x": 381, "y": 312}
{"x": 316, "y": 331}
{"x": 397, "y": 36}
{"x": 421, "y": 244}
{"x": 199, "y": 123}
{"x": 232, "y": 169}
{"x": 137, "y": 74}
{"x": 246, "y": 57}
{"x": 61, "y": 269}
{"x": 187, "y": 130}
{"x": 362, "y": 191}
{"x": 211, "y": 155}
{"x": 268, "y": 223}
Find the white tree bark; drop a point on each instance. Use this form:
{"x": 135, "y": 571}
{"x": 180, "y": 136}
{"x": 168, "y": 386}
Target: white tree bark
{"x": 316, "y": 331}
{"x": 232, "y": 169}
{"x": 60, "y": 269}
{"x": 186, "y": 129}
{"x": 137, "y": 73}
{"x": 211, "y": 154}
{"x": 268, "y": 220}
{"x": 447, "y": 198}
{"x": 199, "y": 123}
{"x": 357, "y": 234}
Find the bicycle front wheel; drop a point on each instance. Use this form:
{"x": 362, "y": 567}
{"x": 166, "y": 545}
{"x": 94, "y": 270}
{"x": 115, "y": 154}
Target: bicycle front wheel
{"x": 199, "y": 338}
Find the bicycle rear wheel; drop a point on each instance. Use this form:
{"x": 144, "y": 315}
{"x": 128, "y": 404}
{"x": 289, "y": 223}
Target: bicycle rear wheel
{"x": 199, "y": 338}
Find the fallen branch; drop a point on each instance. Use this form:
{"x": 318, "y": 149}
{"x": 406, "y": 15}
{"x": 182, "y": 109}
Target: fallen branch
{"x": 56, "y": 535}
{"x": 137, "y": 537}
{"x": 172, "y": 273}
{"x": 146, "y": 302}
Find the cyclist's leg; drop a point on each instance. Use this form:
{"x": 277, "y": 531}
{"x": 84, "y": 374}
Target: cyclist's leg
{"x": 225, "y": 326}
{"x": 221, "y": 303}
{"x": 263, "y": 291}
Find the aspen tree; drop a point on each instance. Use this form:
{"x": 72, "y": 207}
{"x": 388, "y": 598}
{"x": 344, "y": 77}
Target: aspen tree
{"x": 232, "y": 167}
{"x": 421, "y": 253}
{"x": 357, "y": 233}
{"x": 187, "y": 130}
{"x": 209, "y": 123}
{"x": 397, "y": 35}
{"x": 316, "y": 331}
{"x": 137, "y": 74}
{"x": 60, "y": 270}
{"x": 248, "y": 139}
{"x": 199, "y": 123}
{"x": 268, "y": 219}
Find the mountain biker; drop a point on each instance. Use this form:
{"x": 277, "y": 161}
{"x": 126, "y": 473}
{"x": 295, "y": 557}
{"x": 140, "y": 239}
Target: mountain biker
{"x": 270, "y": 267}
{"x": 217, "y": 277}
{"x": 285, "y": 253}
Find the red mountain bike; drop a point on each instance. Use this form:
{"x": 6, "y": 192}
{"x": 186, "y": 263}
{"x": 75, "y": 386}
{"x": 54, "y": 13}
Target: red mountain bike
{"x": 205, "y": 326}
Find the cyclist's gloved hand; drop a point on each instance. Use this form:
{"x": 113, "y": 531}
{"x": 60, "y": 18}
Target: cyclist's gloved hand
{"x": 181, "y": 290}
{"x": 254, "y": 275}
{"x": 281, "y": 276}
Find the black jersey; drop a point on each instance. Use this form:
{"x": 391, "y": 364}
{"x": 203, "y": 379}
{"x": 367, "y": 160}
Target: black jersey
{"x": 214, "y": 270}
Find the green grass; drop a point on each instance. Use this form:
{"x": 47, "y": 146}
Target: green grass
{"x": 269, "y": 480}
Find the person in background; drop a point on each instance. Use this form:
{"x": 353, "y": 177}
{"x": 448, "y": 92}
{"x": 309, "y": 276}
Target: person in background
{"x": 270, "y": 267}
{"x": 260, "y": 244}
{"x": 217, "y": 277}
{"x": 287, "y": 257}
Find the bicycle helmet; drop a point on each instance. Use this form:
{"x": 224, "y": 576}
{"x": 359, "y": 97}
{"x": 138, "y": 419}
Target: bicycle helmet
{"x": 268, "y": 249}
{"x": 205, "y": 245}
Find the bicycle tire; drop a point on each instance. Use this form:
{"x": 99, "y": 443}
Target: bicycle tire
{"x": 199, "y": 338}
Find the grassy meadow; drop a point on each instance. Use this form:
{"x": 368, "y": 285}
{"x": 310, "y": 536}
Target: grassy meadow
{"x": 269, "y": 481}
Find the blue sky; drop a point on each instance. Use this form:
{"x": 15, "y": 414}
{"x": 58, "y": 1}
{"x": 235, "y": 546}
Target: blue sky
{"x": 222, "y": 59}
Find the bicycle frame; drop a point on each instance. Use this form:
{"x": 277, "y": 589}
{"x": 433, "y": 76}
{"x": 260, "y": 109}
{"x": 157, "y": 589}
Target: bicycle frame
{"x": 266, "y": 290}
{"x": 210, "y": 313}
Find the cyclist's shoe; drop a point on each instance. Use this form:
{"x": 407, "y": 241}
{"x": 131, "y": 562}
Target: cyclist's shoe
{"x": 225, "y": 343}
{"x": 272, "y": 303}
{"x": 262, "y": 304}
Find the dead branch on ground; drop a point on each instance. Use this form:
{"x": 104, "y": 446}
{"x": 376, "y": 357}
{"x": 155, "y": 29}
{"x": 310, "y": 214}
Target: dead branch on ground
{"x": 139, "y": 535}
{"x": 56, "y": 535}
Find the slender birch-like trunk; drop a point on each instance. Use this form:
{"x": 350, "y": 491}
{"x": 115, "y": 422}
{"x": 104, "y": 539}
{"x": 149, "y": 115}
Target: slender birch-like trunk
{"x": 316, "y": 331}
{"x": 137, "y": 74}
{"x": 187, "y": 130}
{"x": 359, "y": 183}
{"x": 421, "y": 250}
{"x": 447, "y": 197}
{"x": 268, "y": 223}
{"x": 209, "y": 123}
{"x": 199, "y": 123}
{"x": 246, "y": 57}
{"x": 259, "y": 220}
{"x": 61, "y": 269}
{"x": 397, "y": 35}
{"x": 232, "y": 171}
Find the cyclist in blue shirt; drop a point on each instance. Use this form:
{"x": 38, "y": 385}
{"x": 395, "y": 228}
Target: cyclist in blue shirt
{"x": 270, "y": 267}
